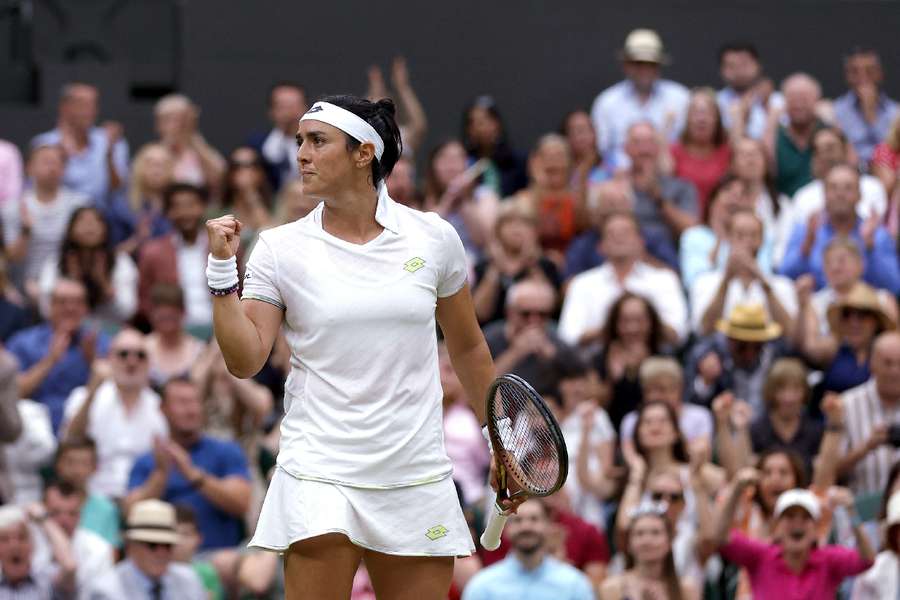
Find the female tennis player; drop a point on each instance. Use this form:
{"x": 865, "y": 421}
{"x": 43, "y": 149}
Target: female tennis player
{"x": 358, "y": 283}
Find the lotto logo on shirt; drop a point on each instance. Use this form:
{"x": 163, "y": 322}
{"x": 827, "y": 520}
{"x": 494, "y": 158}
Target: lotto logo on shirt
{"x": 414, "y": 264}
{"x": 436, "y": 532}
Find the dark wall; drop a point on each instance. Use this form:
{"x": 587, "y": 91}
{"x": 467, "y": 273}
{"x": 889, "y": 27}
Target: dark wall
{"x": 538, "y": 59}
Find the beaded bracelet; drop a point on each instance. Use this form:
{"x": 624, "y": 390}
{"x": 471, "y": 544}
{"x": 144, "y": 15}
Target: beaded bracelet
{"x": 224, "y": 291}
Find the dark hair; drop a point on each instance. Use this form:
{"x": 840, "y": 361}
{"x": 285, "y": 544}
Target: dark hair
{"x": 768, "y": 178}
{"x": 262, "y": 188}
{"x": 738, "y": 46}
{"x": 669, "y": 575}
{"x": 75, "y": 443}
{"x": 717, "y": 189}
{"x": 381, "y": 116}
{"x": 185, "y": 515}
{"x": 433, "y": 188}
{"x": 564, "y": 130}
{"x": 835, "y": 131}
{"x": 862, "y": 51}
{"x": 620, "y": 214}
{"x": 502, "y": 153}
{"x": 611, "y": 329}
{"x": 167, "y": 294}
{"x": 94, "y": 292}
{"x": 798, "y": 467}
{"x": 679, "y": 449}
{"x": 284, "y": 84}
{"x": 65, "y": 489}
{"x": 178, "y": 379}
{"x": 180, "y": 187}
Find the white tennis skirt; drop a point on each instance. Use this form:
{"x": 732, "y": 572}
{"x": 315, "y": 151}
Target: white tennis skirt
{"x": 422, "y": 520}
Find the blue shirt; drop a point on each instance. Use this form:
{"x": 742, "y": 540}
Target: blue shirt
{"x": 845, "y": 372}
{"x": 86, "y": 171}
{"x": 123, "y": 221}
{"x": 220, "y": 459}
{"x": 584, "y": 252}
{"x": 696, "y": 246}
{"x": 71, "y": 371}
{"x": 755, "y": 126}
{"x": 551, "y": 580}
{"x": 882, "y": 270}
{"x": 864, "y": 135}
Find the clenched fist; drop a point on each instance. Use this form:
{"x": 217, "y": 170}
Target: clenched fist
{"x": 224, "y": 236}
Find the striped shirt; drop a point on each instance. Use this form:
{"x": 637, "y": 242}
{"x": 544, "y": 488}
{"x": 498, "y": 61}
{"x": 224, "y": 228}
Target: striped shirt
{"x": 37, "y": 586}
{"x": 863, "y": 410}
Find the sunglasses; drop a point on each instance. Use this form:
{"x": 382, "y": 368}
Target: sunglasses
{"x": 123, "y": 354}
{"x": 669, "y": 497}
{"x": 533, "y": 312}
{"x": 154, "y": 546}
{"x": 860, "y": 313}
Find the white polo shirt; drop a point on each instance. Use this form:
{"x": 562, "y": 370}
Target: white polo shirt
{"x": 363, "y": 398}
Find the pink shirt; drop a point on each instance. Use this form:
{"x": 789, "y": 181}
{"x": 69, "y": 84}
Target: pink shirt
{"x": 703, "y": 171}
{"x": 467, "y": 449}
{"x": 10, "y": 173}
{"x": 770, "y": 577}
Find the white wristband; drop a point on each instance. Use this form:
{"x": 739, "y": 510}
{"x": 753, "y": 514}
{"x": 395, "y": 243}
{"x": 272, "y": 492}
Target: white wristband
{"x": 221, "y": 274}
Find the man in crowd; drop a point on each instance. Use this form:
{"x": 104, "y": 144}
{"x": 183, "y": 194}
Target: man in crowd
{"x": 830, "y": 149}
{"x": 148, "y": 571}
{"x": 747, "y": 98}
{"x": 10, "y": 420}
{"x": 642, "y": 96}
{"x": 180, "y": 257}
{"x": 278, "y": 147}
{"x": 525, "y": 343}
{"x": 865, "y": 112}
{"x": 869, "y": 411}
{"x": 790, "y": 145}
{"x": 97, "y": 156}
{"x": 56, "y": 357}
{"x": 205, "y": 473}
{"x": 118, "y": 410}
{"x": 19, "y": 577}
{"x": 806, "y": 248}
{"x": 592, "y": 293}
{"x": 529, "y": 571}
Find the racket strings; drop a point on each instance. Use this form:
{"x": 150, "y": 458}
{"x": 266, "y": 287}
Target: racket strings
{"x": 531, "y": 448}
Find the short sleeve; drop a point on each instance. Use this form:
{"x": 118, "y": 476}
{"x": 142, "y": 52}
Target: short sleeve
{"x": 844, "y": 562}
{"x": 260, "y": 276}
{"x": 233, "y": 462}
{"x": 454, "y": 266}
{"x": 743, "y": 551}
{"x": 140, "y": 472}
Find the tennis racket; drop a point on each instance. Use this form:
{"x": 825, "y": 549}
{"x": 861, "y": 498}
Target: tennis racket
{"x": 528, "y": 444}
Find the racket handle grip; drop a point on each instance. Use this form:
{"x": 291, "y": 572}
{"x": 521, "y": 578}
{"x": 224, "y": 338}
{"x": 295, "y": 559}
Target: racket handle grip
{"x": 490, "y": 539}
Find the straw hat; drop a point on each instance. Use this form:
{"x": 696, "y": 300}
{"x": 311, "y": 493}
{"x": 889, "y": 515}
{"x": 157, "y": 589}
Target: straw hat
{"x": 749, "y": 323}
{"x": 860, "y": 297}
{"x": 644, "y": 45}
{"x": 152, "y": 521}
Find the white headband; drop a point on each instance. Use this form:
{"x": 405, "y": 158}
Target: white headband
{"x": 347, "y": 122}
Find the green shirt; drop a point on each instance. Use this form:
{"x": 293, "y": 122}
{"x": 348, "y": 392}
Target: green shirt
{"x": 210, "y": 579}
{"x": 793, "y": 165}
{"x": 101, "y": 515}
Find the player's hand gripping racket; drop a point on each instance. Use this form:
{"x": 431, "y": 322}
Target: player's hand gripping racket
{"x": 528, "y": 448}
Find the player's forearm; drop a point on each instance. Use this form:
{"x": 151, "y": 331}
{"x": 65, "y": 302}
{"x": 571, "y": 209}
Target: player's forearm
{"x": 239, "y": 339}
{"x": 476, "y": 372}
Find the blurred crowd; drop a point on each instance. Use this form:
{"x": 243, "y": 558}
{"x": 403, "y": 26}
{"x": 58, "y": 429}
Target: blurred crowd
{"x": 702, "y": 283}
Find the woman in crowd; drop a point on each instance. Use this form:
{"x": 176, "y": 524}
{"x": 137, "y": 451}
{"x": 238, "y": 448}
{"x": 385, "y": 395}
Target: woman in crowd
{"x": 87, "y": 255}
{"x": 513, "y": 255}
{"x": 171, "y": 352}
{"x": 195, "y": 161}
{"x": 247, "y": 194}
{"x": 704, "y": 247}
{"x": 886, "y": 165}
{"x": 633, "y": 332}
{"x": 485, "y": 136}
{"x": 702, "y": 155}
{"x": 579, "y": 132}
{"x": 882, "y": 581}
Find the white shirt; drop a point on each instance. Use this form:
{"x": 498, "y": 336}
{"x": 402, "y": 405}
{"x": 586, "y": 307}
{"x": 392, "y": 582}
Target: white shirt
{"x": 707, "y": 284}
{"x": 120, "y": 437}
{"x": 95, "y": 557}
{"x": 30, "y": 452}
{"x": 863, "y": 409}
{"x": 584, "y": 504}
{"x": 695, "y": 422}
{"x": 811, "y": 199}
{"x": 191, "y": 261}
{"x": 124, "y": 279}
{"x": 363, "y": 399}
{"x": 593, "y": 292}
{"x": 618, "y": 107}
{"x": 755, "y": 125}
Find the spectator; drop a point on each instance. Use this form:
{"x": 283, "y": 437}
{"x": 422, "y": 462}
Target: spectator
{"x": 135, "y": 215}
{"x": 192, "y": 468}
{"x": 33, "y": 228}
{"x": 97, "y": 157}
{"x": 865, "y": 112}
{"x": 662, "y": 381}
{"x": 748, "y": 96}
{"x": 20, "y": 577}
{"x": 11, "y": 425}
{"x": 589, "y": 168}
{"x": 881, "y": 582}
{"x": 278, "y": 147}
{"x": 737, "y": 358}
{"x": 869, "y": 410}
{"x": 118, "y": 410}
{"x": 94, "y": 555}
{"x": 513, "y": 256}
{"x": 642, "y": 97}
{"x": 87, "y": 255}
{"x": 485, "y": 137}
{"x": 247, "y": 193}
{"x": 454, "y": 192}
{"x": 790, "y": 145}
{"x": 56, "y": 357}
{"x": 10, "y": 173}
{"x": 27, "y": 456}
{"x": 529, "y": 570}
{"x": 75, "y": 465}
{"x": 195, "y": 161}
{"x": 886, "y": 163}
{"x": 829, "y": 149}
{"x": 149, "y": 571}
{"x": 414, "y": 128}
{"x": 806, "y": 249}
{"x": 590, "y": 294}
{"x": 292, "y": 204}
{"x": 649, "y": 541}
{"x": 633, "y": 333}
{"x": 714, "y": 294}
{"x": 170, "y": 351}
{"x": 185, "y": 551}
{"x": 702, "y": 154}
{"x": 179, "y": 258}
{"x": 665, "y": 206}
{"x": 13, "y": 315}
{"x": 794, "y": 565}
{"x": 401, "y": 183}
